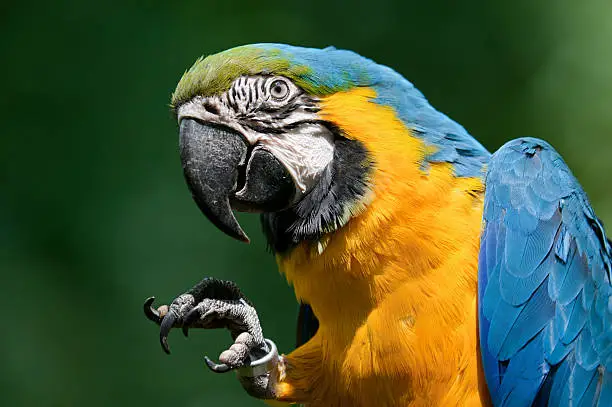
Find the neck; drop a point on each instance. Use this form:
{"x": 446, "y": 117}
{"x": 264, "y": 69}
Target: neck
{"x": 404, "y": 237}
{"x": 340, "y": 192}
{"x": 421, "y": 218}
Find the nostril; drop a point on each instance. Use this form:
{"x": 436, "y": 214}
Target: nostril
{"x": 210, "y": 108}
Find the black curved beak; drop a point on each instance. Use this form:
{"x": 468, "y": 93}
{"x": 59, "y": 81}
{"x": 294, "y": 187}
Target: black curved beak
{"x": 223, "y": 172}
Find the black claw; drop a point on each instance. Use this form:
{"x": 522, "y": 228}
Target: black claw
{"x": 217, "y": 367}
{"x": 151, "y": 312}
{"x": 166, "y": 325}
{"x": 186, "y": 331}
{"x": 164, "y": 344}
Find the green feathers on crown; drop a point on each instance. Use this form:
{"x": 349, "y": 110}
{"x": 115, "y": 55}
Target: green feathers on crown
{"x": 215, "y": 73}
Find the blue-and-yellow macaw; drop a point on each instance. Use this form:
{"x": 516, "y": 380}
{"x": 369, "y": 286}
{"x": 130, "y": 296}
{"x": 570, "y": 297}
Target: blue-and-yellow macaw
{"x": 430, "y": 271}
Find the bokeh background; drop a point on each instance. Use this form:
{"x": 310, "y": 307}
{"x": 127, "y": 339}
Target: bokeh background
{"x": 94, "y": 213}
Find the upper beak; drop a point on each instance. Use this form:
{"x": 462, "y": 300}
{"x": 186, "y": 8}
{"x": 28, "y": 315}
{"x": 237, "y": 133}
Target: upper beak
{"x": 223, "y": 171}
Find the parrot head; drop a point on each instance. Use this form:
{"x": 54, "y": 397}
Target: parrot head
{"x": 297, "y": 133}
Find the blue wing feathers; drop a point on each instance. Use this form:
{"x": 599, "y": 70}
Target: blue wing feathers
{"x": 520, "y": 279}
{"x": 502, "y": 321}
{"x": 577, "y": 384}
{"x": 492, "y": 293}
{"x": 533, "y": 318}
{"x": 560, "y": 375}
{"x": 558, "y": 272}
{"x": 525, "y": 374}
{"x": 586, "y": 356}
{"x": 516, "y": 290}
{"x": 588, "y": 294}
{"x": 554, "y": 350}
{"x": 577, "y": 273}
{"x": 544, "y": 284}
{"x": 605, "y": 390}
{"x": 575, "y": 323}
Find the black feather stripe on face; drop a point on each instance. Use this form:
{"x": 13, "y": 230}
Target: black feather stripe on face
{"x": 342, "y": 188}
{"x": 249, "y": 102}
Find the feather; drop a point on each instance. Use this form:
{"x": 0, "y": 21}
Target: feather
{"x": 547, "y": 301}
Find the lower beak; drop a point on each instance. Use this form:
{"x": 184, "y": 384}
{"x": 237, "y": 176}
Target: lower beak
{"x": 223, "y": 171}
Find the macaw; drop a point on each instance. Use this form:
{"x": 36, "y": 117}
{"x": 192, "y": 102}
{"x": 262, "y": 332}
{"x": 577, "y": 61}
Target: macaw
{"x": 429, "y": 271}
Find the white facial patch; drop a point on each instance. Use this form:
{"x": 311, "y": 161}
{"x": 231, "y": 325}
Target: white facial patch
{"x": 305, "y": 153}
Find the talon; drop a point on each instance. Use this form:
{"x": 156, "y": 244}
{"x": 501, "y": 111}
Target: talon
{"x": 166, "y": 325}
{"x": 151, "y": 312}
{"x": 216, "y": 367}
{"x": 186, "y": 331}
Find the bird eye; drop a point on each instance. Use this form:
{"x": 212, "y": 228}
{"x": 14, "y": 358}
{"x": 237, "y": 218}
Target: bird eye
{"x": 279, "y": 90}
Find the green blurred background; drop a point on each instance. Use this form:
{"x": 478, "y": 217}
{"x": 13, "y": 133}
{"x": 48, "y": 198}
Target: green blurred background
{"x": 94, "y": 213}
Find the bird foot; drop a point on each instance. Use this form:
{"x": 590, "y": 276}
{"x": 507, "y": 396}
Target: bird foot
{"x": 212, "y": 304}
